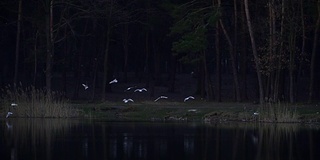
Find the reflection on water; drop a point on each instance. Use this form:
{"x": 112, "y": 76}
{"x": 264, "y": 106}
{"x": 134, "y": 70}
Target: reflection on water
{"x": 84, "y": 139}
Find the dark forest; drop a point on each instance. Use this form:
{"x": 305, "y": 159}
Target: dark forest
{"x": 240, "y": 50}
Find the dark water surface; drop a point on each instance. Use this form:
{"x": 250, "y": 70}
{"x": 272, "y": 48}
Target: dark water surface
{"x": 92, "y": 139}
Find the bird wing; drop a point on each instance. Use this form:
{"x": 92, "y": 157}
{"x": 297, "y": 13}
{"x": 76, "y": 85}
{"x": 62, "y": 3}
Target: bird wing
{"x": 157, "y": 99}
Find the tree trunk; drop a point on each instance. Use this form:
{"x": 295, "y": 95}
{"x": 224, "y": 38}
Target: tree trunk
{"x": 16, "y": 70}
{"x": 303, "y": 29}
{"x": 208, "y": 85}
{"x": 218, "y": 64}
{"x": 49, "y": 39}
{"x": 64, "y": 63}
{"x": 172, "y": 73}
{"x": 125, "y": 43}
{"x": 105, "y": 65}
{"x": 97, "y": 48}
{"x": 218, "y": 59}
{"x": 278, "y": 74}
{"x": 292, "y": 51}
{"x": 35, "y": 59}
{"x": 303, "y": 54}
{"x": 233, "y": 63}
{"x": 106, "y": 54}
{"x": 270, "y": 88}
{"x": 313, "y": 56}
{"x": 292, "y": 41}
{"x": 254, "y": 51}
{"x": 79, "y": 72}
{"x": 243, "y": 56}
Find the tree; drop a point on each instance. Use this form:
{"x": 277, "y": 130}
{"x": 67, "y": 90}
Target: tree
{"x": 232, "y": 58}
{"x": 313, "y": 55}
{"x": 218, "y": 63}
{"x": 191, "y": 24}
{"x": 115, "y": 14}
{"x": 49, "y": 41}
{"x": 107, "y": 45}
{"x": 254, "y": 51}
{"x": 17, "y": 44}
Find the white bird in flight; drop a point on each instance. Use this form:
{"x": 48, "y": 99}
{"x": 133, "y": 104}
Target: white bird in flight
{"x": 8, "y": 114}
{"x": 14, "y": 104}
{"x": 187, "y": 98}
{"x": 129, "y": 88}
{"x": 161, "y": 97}
{"x": 85, "y": 86}
{"x": 127, "y": 100}
{"x": 113, "y": 81}
{"x": 140, "y": 90}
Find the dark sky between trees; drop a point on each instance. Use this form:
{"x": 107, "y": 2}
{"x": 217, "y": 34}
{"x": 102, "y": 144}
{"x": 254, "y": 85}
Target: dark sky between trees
{"x": 43, "y": 42}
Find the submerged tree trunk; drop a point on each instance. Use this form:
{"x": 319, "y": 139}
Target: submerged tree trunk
{"x": 254, "y": 50}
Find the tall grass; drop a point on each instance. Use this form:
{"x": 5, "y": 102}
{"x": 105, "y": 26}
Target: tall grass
{"x": 34, "y": 102}
{"x": 277, "y": 112}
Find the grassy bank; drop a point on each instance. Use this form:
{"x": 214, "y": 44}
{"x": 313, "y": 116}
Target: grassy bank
{"x": 34, "y": 103}
{"x": 201, "y": 111}
{"x": 30, "y": 102}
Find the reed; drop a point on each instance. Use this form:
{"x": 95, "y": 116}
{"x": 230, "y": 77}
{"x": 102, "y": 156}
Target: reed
{"x": 34, "y": 102}
{"x": 278, "y": 112}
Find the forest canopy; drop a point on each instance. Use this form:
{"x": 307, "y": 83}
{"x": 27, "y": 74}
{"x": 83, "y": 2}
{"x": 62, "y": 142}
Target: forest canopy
{"x": 268, "y": 48}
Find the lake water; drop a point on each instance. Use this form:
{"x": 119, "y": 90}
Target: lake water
{"x": 96, "y": 139}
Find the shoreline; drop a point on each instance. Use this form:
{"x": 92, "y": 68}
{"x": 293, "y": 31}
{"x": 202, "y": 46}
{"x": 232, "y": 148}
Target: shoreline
{"x": 193, "y": 111}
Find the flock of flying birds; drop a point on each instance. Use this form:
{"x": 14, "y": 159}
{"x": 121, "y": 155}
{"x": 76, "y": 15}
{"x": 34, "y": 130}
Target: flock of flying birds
{"x": 138, "y": 90}
{"x": 85, "y": 86}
